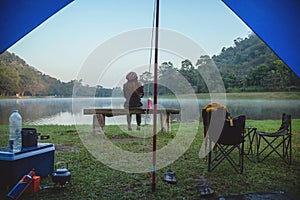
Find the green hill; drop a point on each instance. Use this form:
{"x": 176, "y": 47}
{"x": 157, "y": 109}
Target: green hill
{"x": 17, "y": 77}
{"x": 252, "y": 66}
{"x": 249, "y": 65}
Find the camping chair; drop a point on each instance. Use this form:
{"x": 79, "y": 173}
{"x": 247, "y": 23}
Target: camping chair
{"x": 226, "y": 136}
{"x": 206, "y": 116}
{"x": 279, "y": 142}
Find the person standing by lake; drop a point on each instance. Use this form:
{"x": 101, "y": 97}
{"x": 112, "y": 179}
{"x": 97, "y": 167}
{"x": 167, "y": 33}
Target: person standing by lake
{"x": 133, "y": 92}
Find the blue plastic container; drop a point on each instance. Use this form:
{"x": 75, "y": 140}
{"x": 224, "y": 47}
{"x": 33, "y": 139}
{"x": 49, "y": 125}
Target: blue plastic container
{"x": 13, "y": 166}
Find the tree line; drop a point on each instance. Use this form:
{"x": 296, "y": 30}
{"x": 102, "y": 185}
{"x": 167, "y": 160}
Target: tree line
{"x": 248, "y": 66}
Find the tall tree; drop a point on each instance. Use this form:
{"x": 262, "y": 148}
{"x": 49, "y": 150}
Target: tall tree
{"x": 28, "y": 80}
{"x": 147, "y": 79}
{"x": 190, "y": 74}
{"x": 9, "y": 81}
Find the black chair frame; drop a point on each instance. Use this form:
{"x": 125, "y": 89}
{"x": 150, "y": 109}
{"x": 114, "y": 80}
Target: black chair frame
{"x": 229, "y": 139}
{"x": 251, "y": 144}
{"x": 276, "y": 141}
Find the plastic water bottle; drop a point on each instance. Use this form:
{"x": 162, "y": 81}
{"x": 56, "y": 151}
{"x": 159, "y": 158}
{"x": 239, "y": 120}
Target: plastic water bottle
{"x": 15, "y": 128}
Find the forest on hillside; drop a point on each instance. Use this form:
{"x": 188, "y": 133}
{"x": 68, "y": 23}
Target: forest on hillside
{"x": 249, "y": 65}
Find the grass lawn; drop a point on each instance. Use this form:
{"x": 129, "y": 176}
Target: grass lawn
{"x": 93, "y": 180}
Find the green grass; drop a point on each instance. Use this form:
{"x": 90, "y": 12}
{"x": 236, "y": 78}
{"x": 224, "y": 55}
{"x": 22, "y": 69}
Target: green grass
{"x": 93, "y": 180}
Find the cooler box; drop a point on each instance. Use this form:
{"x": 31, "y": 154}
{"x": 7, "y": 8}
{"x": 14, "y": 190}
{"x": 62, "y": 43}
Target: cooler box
{"x": 13, "y": 166}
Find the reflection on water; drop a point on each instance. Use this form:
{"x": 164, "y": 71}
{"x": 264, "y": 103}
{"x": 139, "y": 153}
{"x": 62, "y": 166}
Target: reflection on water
{"x": 265, "y": 109}
{"x": 34, "y": 109}
{"x": 60, "y": 111}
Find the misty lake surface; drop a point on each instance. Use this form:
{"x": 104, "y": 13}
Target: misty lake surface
{"x": 69, "y": 111}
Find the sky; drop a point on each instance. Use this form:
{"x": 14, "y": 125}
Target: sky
{"x": 63, "y": 45}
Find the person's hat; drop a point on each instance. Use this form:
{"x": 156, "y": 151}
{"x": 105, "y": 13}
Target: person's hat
{"x": 131, "y": 76}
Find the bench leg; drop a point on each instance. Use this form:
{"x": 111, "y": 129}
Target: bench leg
{"x": 165, "y": 122}
{"x": 98, "y": 123}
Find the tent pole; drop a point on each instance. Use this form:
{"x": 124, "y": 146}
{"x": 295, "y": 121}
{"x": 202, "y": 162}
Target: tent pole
{"x": 155, "y": 97}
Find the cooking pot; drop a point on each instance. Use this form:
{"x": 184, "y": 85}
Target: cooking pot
{"x": 30, "y": 137}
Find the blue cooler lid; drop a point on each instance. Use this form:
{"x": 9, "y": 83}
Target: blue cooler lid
{"x": 6, "y": 154}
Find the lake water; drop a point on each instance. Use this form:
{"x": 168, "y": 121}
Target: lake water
{"x": 68, "y": 111}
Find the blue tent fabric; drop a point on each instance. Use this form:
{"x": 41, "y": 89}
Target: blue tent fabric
{"x": 276, "y": 22}
{"x": 19, "y": 17}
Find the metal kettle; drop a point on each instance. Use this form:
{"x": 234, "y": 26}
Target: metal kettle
{"x": 61, "y": 176}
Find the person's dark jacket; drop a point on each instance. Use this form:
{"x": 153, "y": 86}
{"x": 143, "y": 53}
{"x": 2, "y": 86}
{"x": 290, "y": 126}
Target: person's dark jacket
{"x": 133, "y": 98}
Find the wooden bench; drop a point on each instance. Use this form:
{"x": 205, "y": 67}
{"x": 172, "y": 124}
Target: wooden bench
{"x": 99, "y": 115}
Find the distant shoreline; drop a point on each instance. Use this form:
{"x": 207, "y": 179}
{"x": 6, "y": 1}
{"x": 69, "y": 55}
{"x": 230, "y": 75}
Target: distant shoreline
{"x": 241, "y": 95}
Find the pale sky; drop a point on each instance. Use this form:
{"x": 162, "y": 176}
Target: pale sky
{"x": 61, "y": 45}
